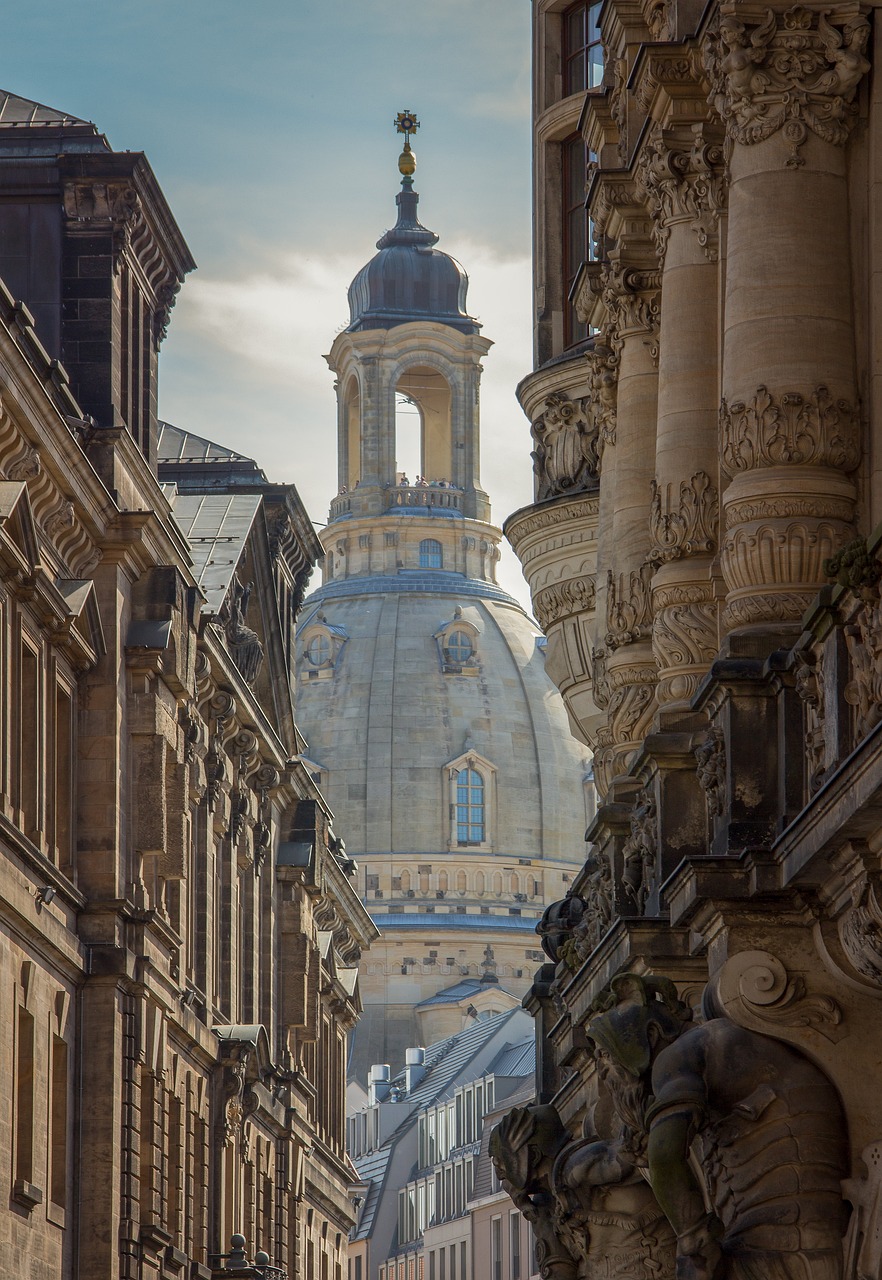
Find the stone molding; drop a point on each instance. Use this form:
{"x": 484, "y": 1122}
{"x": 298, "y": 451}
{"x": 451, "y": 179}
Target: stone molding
{"x": 793, "y": 70}
{"x": 690, "y": 527}
{"x": 776, "y": 428}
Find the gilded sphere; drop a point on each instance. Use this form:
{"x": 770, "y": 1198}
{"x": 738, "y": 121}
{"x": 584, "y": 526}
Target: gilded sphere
{"x": 407, "y": 162}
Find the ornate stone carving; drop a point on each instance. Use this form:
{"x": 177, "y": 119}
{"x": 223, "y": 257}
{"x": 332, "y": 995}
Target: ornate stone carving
{"x": 592, "y": 1212}
{"x": 754, "y": 1119}
{"x": 808, "y": 676}
{"x": 557, "y": 928}
{"x": 629, "y": 709}
{"x": 246, "y": 646}
{"x": 632, "y": 300}
{"x": 860, "y": 929}
{"x": 566, "y": 458}
{"x": 794, "y": 70}
{"x": 683, "y": 184}
{"x": 863, "y": 636}
{"x": 762, "y": 563}
{"x": 26, "y": 466}
{"x": 618, "y": 104}
{"x": 564, "y": 599}
{"x": 603, "y": 395}
{"x": 684, "y": 637}
{"x": 771, "y": 430}
{"x": 628, "y": 606}
{"x": 757, "y": 983}
{"x": 639, "y": 853}
{"x": 690, "y": 527}
{"x": 855, "y": 567}
{"x": 233, "y": 1089}
{"x": 710, "y": 770}
{"x": 571, "y": 928}
{"x": 863, "y": 1243}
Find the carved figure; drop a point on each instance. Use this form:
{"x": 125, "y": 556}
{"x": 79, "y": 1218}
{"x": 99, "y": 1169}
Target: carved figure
{"x": 245, "y": 644}
{"x": 593, "y": 1215}
{"x": 762, "y": 1122}
{"x": 638, "y": 852}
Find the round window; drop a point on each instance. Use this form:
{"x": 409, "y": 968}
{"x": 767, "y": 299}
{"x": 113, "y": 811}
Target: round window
{"x": 318, "y": 651}
{"x": 459, "y": 646}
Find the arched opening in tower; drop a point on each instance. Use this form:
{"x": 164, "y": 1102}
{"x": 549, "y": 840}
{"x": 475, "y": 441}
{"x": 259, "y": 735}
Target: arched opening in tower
{"x": 423, "y": 429}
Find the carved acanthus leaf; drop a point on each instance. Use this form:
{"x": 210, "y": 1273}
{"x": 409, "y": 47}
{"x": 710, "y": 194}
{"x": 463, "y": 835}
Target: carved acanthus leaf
{"x": 628, "y": 606}
{"x": 796, "y": 71}
{"x": 860, "y": 929}
{"x": 683, "y": 183}
{"x": 690, "y": 527}
{"x": 813, "y": 430}
{"x": 564, "y": 599}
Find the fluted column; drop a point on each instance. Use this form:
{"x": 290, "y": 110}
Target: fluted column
{"x": 784, "y": 82}
{"x": 625, "y": 668}
{"x": 681, "y": 172}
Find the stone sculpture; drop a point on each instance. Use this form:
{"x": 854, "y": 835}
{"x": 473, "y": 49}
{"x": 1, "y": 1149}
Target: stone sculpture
{"x": 761, "y": 1122}
{"x": 593, "y": 1214}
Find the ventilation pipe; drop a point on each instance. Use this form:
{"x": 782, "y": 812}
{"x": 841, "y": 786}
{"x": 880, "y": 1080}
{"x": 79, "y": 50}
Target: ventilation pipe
{"x": 414, "y": 1067}
{"x": 379, "y": 1083}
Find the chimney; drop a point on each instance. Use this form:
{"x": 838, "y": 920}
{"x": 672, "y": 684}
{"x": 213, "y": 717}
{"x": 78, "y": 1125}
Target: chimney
{"x": 379, "y": 1077}
{"x": 414, "y": 1067}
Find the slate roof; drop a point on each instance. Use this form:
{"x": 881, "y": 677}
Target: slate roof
{"x": 518, "y": 1059}
{"x": 445, "y": 1060}
{"x": 372, "y": 1168}
{"x": 453, "y": 995}
{"x": 452, "y": 920}
{"x": 216, "y": 526}
{"x": 434, "y": 583}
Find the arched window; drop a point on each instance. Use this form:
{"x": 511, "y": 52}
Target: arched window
{"x": 430, "y": 554}
{"x": 469, "y": 807}
{"x": 459, "y": 646}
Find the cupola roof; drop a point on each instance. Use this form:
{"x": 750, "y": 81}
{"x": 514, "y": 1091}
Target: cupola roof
{"x": 409, "y": 279}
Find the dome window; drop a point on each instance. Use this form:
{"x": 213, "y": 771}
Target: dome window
{"x": 472, "y": 789}
{"x": 457, "y": 642}
{"x": 321, "y": 646}
{"x": 431, "y": 554}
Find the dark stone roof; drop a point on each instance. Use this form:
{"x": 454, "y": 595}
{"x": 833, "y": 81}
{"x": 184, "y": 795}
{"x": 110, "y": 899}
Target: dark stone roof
{"x": 409, "y": 279}
{"x": 437, "y": 582}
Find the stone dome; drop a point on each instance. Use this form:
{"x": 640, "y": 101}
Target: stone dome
{"x": 409, "y": 279}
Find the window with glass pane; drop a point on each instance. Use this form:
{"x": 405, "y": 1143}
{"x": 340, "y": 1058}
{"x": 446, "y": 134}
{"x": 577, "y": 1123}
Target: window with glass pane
{"x": 469, "y": 807}
{"x": 582, "y": 50}
{"x": 319, "y": 649}
{"x": 459, "y": 646}
{"x": 575, "y": 231}
{"x": 430, "y": 554}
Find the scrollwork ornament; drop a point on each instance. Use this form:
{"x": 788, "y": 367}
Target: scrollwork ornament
{"x": 628, "y": 606}
{"x": 564, "y": 599}
{"x": 566, "y": 455}
{"x": 688, "y": 528}
{"x": 758, "y": 982}
{"x": 795, "y": 71}
{"x": 791, "y": 428}
{"x": 860, "y": 929}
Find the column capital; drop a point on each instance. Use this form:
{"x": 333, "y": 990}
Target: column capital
{"x": 795, "y": 70}
{"x": 681, "y": 172}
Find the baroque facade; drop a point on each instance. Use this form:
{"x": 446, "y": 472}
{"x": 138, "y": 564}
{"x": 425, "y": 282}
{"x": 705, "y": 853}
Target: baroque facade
{"x": 709, "y": 441}
{"x": 179, "y": 927}
{"x": 421, "y": 684}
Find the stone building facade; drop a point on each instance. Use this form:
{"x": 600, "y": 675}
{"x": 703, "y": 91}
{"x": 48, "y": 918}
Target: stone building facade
{"x": 421, "y": 685}
{"x": 707, "y": 503}
{"x": 179, "y": 926}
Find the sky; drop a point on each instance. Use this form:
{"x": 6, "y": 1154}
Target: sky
{"x": 269, "y": 127}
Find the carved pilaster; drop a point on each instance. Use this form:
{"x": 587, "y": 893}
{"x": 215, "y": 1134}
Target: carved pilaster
{"x": 795, "y": 70}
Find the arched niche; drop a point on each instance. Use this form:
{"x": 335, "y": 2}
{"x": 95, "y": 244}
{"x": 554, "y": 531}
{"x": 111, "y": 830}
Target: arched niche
{"x": 351, "y": 465}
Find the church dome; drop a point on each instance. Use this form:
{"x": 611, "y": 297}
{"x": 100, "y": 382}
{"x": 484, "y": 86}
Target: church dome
{"x": 409, "y": 279}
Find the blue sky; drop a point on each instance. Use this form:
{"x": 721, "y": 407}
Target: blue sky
{"x": 269, "y": 127}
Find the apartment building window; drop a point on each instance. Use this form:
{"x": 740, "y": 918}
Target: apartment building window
{"x": 575, "y": 231}
{"x": 515, "y": 1249}
{"x": 462, "y": 1260}
{"x": 24, "y": 1098}
{"x": 431, "y": 554}
{"x": 496, "y": 1249}
{"x": 453, "y": 1262}
{"x": 432, "y": 1265}
{"x": 582, "y": 49}
{"x": 58, "y": 1120}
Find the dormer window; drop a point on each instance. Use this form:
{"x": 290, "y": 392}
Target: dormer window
{"x": 457, "y": 642}
{"x": 321, "y": 647}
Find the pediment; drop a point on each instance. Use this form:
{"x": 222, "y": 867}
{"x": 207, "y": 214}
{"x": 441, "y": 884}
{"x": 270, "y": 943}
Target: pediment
{"x": 19, "y": 548}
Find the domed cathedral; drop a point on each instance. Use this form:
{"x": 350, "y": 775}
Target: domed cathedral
{"x": 431, "y": 723}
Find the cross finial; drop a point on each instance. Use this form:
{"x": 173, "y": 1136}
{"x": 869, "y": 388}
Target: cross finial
{"x": 407, "y": 123}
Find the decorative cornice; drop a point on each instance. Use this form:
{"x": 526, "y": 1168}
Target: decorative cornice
{"x": 793, "y": 70}
{"x": 789, "y": 428}
{"x": 688, "y": 529}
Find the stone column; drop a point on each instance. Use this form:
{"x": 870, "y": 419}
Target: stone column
{"x": 784, "y": 81}
{"x": 625, "y": 668}
{"x": 681, "y": 172}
